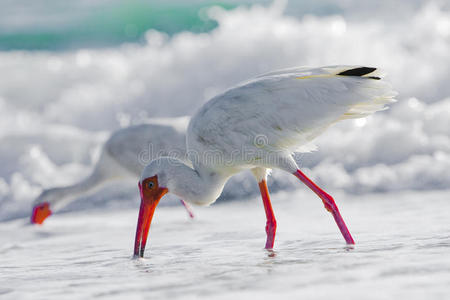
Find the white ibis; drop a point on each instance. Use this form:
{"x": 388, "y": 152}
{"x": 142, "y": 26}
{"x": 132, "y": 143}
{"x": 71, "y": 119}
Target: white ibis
{"x": 124, "y": 155}
{"x": 258, "y": 125}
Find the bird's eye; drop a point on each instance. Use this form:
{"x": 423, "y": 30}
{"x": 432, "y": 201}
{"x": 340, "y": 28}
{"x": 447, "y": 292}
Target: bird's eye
{"x": 150, "y": 184}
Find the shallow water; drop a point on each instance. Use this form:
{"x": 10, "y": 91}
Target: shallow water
{"x": 59, "y": 105}
{"x": 403, "y": 241}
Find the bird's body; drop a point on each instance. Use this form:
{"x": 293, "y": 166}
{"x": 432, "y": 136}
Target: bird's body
{"x": 258, "y": 125}
{"x": 135, "y": 146}
{"x": 280, "y": 113}
{"x": 123, "y": 156}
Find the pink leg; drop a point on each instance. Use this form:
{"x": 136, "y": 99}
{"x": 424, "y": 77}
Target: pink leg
{"x": 271, "y": 224}
{"x": 188, "y": 208}
{"x": 329, "y": 203}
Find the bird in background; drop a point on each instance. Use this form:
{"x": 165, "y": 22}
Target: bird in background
{"x": 257, "y": 126}
{"x": 123, "y": 156}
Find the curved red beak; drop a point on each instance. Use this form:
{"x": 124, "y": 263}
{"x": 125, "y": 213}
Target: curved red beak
{"x": 40, "y": 212}
{"x": 146, "y": 211}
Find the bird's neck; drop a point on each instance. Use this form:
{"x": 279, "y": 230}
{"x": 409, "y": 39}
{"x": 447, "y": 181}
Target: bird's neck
{"x": 199, "y": 185}
{"x": 60, "y": 196}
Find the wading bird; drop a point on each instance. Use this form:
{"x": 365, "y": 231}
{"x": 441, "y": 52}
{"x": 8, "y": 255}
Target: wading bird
{"x": 258, "y": 125}
{"x": 123, "y": 156}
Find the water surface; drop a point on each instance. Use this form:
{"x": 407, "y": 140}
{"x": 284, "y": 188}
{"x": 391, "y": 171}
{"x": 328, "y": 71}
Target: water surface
{"x": 403, "y": 242}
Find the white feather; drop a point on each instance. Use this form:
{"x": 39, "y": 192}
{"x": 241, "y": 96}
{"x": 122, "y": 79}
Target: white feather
{"x": 258, "y": 124}
{"x": 285, "y": 109}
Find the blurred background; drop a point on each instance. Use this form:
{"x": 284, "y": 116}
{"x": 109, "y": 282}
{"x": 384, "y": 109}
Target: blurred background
{"x": 73, "y": 72}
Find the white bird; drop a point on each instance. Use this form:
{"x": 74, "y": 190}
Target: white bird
{"x": 258, "y": 125}
{"x": 123, "y": 156}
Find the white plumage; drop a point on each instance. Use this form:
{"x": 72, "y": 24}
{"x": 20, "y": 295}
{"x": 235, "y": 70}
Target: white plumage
{"x": 124, "y": 156}
{"x": 289, "y": 108}
{"x": 262, "y": 121}
{"x": 257, "y": 125}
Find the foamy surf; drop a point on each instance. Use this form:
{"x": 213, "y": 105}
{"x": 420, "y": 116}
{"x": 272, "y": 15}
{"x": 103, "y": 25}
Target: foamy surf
{"x": 54, "y": 126}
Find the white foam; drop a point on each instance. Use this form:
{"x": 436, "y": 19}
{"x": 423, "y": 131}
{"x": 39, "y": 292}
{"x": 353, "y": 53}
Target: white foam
{"x": 58, "y": 107}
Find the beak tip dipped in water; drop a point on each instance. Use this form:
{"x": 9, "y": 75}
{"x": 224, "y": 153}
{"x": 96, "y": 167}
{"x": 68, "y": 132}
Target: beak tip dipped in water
{"x": 149, "y": 201}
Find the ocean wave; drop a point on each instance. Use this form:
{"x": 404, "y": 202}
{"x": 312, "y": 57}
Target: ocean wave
{"x": 58, "y": 107}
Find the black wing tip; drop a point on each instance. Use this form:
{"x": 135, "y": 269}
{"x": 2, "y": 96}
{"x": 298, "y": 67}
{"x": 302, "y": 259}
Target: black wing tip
{"x": 361, "y": 71}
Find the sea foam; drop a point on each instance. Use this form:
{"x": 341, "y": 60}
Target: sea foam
{"x": 59, "y": 107}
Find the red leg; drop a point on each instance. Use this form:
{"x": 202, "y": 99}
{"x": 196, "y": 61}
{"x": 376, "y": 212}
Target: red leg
{"x": 271, "y": 224}
{"x": 329, "y": 203}
{"x": 188, "y": 208}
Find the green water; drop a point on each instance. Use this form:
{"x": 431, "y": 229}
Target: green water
{"x": 56, "y": 25}
{"x": 63, "y": 25}
{"x": 107, "y": 24}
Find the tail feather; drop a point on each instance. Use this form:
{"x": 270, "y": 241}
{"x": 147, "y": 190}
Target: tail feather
{"x": 360, "y": 71}
{"x": 373, "y": 91}
{"x": 377, "y": 94}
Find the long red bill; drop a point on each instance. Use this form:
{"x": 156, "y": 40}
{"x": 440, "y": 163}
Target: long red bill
{"x": 146, "y": 212}
{"x": 40, "y": 212}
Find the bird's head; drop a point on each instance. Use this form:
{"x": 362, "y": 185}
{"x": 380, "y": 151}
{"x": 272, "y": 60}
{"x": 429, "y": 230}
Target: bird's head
{"x": 153, "y": 185}
{"x": 163, "y": 175}
{"x": 41, "y": 208}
